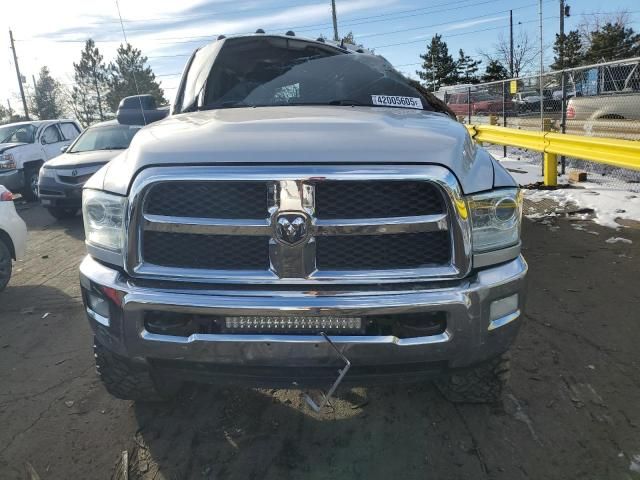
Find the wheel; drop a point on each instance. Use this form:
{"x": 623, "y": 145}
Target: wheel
{"x": 481, "y": 384}
{"x": 30, "y": 190}
{"x": 61, "y": 212}
{"x": 128, "y": 382}
{"x": 6, "y": 266}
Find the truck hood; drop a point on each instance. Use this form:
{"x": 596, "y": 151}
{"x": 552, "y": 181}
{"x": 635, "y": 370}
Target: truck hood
{"x": 303, "y": 135}
{"x": 83, "y": 159}
{"x": 7, "y": 146}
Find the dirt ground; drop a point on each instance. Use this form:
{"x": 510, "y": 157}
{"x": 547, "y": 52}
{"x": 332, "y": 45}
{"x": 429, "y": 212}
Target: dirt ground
{"x": 572, "y": 410}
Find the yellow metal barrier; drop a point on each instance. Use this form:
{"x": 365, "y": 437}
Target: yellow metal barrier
{"x": 618, "y": 153}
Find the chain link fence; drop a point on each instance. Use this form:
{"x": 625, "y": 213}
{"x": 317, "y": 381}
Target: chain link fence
{"x": 601, "y": 100}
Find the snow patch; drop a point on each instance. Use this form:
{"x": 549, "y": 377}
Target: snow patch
{"x": 608, "y": 197}
{"x": 618, "y": 240}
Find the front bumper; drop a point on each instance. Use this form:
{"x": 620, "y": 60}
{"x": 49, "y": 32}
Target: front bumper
{"x": 53, "y": 193}
{"x": 13, "y": 180}
{"x": 470, "y": 336}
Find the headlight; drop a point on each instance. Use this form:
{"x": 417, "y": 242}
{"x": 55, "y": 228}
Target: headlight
{"x": 103, "y": 215}
{"x": 7, "y": 162}
{"x": 47, "y": 172}
{"x": 495, "y": 219}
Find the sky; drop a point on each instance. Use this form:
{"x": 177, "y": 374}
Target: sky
{"x": 167, "y": 31}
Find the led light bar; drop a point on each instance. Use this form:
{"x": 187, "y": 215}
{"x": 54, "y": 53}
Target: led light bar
{"x": 286, "y": 324}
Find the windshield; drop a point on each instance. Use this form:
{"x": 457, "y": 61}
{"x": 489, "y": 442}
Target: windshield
{"x": 23, "y": 133}
{"x": 480, "y": 97}
{"x": 112, "y": 137}
{"x": 273, "y": 71}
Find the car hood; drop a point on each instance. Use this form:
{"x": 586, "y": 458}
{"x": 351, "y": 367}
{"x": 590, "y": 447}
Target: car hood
{"x": 83, "y": 159}
{"x": 303, "y": 135}
{"x": 7, "y": 146}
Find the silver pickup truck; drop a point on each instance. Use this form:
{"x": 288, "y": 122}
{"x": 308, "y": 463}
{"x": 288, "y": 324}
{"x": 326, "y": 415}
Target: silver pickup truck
{"x": 305, "y": 214}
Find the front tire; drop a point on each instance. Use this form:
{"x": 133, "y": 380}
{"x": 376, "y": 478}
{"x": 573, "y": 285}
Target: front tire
{"x": 6, "y": 266}
{"x": 126, "y": 382}
{"x": 61, "y": 213}
{"x": 30, "y": 190}
{"x": 480, "y": 384}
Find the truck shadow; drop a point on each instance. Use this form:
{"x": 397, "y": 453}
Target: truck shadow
{"x": 38, "y": 218}
{"x": 30, "y": 302}
{"x": 237, "y": 433}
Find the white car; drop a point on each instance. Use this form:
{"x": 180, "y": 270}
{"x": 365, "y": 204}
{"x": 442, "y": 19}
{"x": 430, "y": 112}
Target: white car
{"x": 13, "y": 236}
{"x": 25, "y": 146}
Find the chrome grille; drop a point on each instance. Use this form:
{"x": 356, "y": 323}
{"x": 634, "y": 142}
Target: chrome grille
{"x": 292, "y": 224}
{"x": 209, "y": 199}
{"x": 380, "y": 199}
{"x": 383, "y": 252}
{"x": 220, "y": 252}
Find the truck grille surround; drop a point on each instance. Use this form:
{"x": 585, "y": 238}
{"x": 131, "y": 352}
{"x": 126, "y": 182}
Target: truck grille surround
{"x": 283, "y": 224}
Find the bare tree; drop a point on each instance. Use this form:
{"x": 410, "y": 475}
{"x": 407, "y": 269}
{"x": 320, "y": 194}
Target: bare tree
{"x": 593, "y": 22}
{"x": 525, "y": 53}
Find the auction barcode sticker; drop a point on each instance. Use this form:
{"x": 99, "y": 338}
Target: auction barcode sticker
{"x": 396, "y": 101}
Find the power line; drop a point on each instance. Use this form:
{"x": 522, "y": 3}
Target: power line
{"x": 353, "y": 22}
{"x": 455, "y": 34}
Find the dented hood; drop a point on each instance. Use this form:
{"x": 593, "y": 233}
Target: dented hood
{"x": 303, "y": 134}
{"x": 7, "y": 146}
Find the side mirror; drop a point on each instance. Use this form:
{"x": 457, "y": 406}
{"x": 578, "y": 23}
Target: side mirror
{"x": 64, "y": 149}
{"x": 43, "y": 141}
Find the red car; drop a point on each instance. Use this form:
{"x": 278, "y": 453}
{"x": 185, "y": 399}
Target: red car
{"x": 482, "y": 103}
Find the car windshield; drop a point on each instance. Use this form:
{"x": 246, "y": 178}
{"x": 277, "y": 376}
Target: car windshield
{"x": 23, "y": 133}
{"x": 274, "y": 71}
{"x": 479, "y": 97}
{"x": 112, "y": 137}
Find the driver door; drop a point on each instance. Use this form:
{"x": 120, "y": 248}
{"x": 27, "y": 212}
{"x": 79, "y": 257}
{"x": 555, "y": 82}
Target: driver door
{"x": 51, "y": 142}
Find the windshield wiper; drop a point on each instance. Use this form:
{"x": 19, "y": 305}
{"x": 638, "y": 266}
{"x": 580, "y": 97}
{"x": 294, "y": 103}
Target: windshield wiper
{"x": 227, "y": 104}
{"x": 348, "y": 102}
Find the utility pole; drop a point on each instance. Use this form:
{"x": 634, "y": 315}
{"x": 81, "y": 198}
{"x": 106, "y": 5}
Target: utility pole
{"x": 564, "y": 11}
{"x": 433, "y": 71}
{"x": 504, "y": 86}
{"x": 10, "y": 109}
{"x": 541, "y": 68}
{"x": 540, "y": 78}
{"x": 511, "y": 43}
{"x": 15, "y": 60}
{"x": 35, "y": 85}
{"x": 336, "y": 37}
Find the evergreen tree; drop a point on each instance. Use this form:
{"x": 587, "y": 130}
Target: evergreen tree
{"x": 467, "y": 68}
{"x": 613, "y": 41}
{"x": 88, "y": 93}
{"x": 350, "y": 39}
{"x": 47, "y": 102}
{"x": 438, "y": 68}
{"x": 573, "y": 51}
{"x": 495, "y": 71}
{"x": 129, "y": 75}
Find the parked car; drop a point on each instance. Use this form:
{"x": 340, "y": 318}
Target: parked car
{"x": 61, "y": 179}
{"x": 13, "y": 236}
{"x": 25, "y": 146}
{"x": 482, "y": 103}
{"x": 609, "y": 106}
{"x": 529, "y": 102}
{"x": 305, "y": 215}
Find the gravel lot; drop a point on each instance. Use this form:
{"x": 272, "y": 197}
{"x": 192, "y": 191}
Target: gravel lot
{"x": 573, "y": 409}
